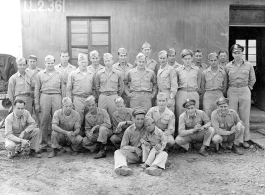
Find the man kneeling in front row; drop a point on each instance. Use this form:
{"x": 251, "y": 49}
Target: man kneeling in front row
{"x": 21, "y": 131}
{"x": 194, "y": 125}
{"x": 66, "y": 129}
{"x": 228, "y": 127}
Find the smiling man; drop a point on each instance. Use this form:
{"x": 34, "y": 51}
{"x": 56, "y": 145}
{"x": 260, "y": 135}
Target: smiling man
{"x": 150, "y": 63}
{"x": 222, "y": 58}
{"x": 227, "y": 125}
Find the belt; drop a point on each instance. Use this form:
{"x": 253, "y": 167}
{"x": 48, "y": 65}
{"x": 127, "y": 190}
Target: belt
{"x": 52, "y": 93}
{"x": 82, "y": 96}
{"x": 188, "y": 89}
{"x": 24, "y": 94}
{"x": 142, "y": 92}
{"x": 164, "y": 90}
{"x": 214, "y": 90}
{"x": 108, "y": 93}
{"x": 238, "y": 85}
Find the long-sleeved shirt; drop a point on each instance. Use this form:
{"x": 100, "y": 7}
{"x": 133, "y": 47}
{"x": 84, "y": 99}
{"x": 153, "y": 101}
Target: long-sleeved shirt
{"x": 152, "y": 64}
{"x": 117, "y": 117}
{"x": 14, "y": 125}
{"x": 106, "y": 82}
{"x": 46, "y": 83}
{"x": 223, "y": 124}
{"x": 189, "y": 78}
{"x": 132, "y": 137}
{"x": 146, "y": 82}
{"x": 187, "y": 123}
{"x": 64, "y": 71}
{"x": 32, "y": 75}
{"x": 102, "y": 119}
{"x": 91, "y": 68}
{"x": 213, "y": 81}
{"x": 67, "y": 123}
{"x": 165, "y": 121}
{"x": 79, "y": 83}
{"x": 167, "y": 79}
{"x": 18, "y": 85}
{"x": 122, "y": 70}
{"x": 156, "y": 137}
{"x": 243, "y": 74}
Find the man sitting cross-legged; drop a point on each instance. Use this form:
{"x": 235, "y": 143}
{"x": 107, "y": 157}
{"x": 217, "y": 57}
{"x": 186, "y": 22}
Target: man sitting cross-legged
{"x": 130, "y": 151}
{"x": 66, "y": 129}
{"x": 153, "y": 144}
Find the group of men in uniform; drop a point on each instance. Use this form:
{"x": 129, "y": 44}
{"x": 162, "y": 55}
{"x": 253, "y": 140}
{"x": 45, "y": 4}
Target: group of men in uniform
{"x": 133, "y": 106}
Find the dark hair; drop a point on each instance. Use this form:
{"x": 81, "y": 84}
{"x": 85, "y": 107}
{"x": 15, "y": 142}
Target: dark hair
{"x": 222, "y": 51}
{"x": 197, "y": 51}
{"x": 18, "y": 101}
{"x": 64, "y": 51}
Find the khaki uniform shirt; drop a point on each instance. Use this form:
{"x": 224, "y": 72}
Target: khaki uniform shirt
{"x": 117, "y": 118}
{"x": 79, "y": 83}
{"x": 189, "y": 78}
{"x": 14, "y": 125}
{"x": 187, "y": 123}
{"x": 18, "y": 85}
{"x": 123, "y": 71}
{"x": 165, "y": 121}
{"x": 136, "y": 82}
{"x": 65, "y": 71}
{"x": 112, "y": 82}
{"x": 223, "y": 124}
{"x": 91, "y": 68}
{"x": 152, "y": 64}
{"x": 102, "y": 118}
{"x": 214, "y": 81}
{"x": 177, "y": 65}
{"x": 167, "y": 79}
{"x": 67, "y": 123}
{"x": 46, "y": 83}
{"x": 243, "y": 74}
{"x": 157, "y": 137}
{"x": 32, "y": 75}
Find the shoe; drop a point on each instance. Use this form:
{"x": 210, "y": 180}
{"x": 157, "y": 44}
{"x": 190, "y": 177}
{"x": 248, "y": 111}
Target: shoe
{"x": 203, "y": 153}
{"x": 168, "y": 163}
{"x": 144, "y": 166}
{"x": 10, "y": 154}
{"x": 44, "y": 148}
{"x": 74, "y": 153}
{"x": 101, "y": 154}
{"x": 153, "y": 171}
{"x": 62, "y": 150}
{"x": 218, "y": 151}
{"x": 123, "y": 171}
{"x": 53, "y": 153}
{"x": 35, "y": 154}
{"x": 246, "y": 145}
{"x": 236, "y": 150}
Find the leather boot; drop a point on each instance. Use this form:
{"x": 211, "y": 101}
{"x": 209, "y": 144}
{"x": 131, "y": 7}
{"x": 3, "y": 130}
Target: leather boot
{"x": 236, "y": 150}
{"x": 102, "y": 152}
{"x": 53, "y": 153}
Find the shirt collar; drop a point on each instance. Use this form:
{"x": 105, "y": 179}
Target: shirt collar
{"x": 210, "y": 68}
{"x": 220, "y": 114}
{"x": 193, "y": 116}
{"x": 18, "y": 117}
{"x": 126, "y": 112}
{"x": 233, "y": 62}
{"x": 191, "y": 66}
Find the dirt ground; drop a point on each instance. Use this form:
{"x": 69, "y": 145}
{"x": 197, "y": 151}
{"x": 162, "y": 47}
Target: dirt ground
{"x": 190, "y": 173}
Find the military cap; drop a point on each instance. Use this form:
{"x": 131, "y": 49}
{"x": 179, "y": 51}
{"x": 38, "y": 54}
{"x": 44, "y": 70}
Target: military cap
{"x": 212, "y": 55}
{"x": 122, "y": 51}
{"x": 33, "y": 57}
{"x": 107, "y": 56}
{"x": 139, "y": 110}
{"x": 188, "y": 103}
{"x": 148, "y": 119}
{"x": 82, "y": 57}
{"x": 146, "y": 45}
{"x": 140, "y": 56}
{"x": 171, "y": 51}
{"x": 222, "y": 100}
{"x": 162, "y": 53}
{"x": 236, "y": 47}
{"x": 93, "y": 53}
{"x": 186, "y": 52}
{"x": 118, "y": 100}
{"x": 66, "y": 100}
{"x": 49, "y": 58}
{"x": 90, "y": 99}
{"x": 20, "y": 60}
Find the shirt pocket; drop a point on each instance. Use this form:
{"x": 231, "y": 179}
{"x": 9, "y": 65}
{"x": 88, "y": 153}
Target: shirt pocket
{"x": 166, "y": 80}
{"x": 220, "y": 81}
{"x": 146, "y": 83}
{"x": 114, "y": 82}
{"x": 209, "y": 80}
{"x": 245, "y": 72}
{"x": 136, "y": 82}
{"x": 78, "y": 82}
{"x": 20, "y": 85}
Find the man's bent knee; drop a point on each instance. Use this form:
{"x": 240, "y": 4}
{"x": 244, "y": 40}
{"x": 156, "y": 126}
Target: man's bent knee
{"x": 217, "y": 139}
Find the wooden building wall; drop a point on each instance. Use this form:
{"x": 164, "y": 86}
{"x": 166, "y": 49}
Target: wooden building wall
{"x": 163, "y": 23}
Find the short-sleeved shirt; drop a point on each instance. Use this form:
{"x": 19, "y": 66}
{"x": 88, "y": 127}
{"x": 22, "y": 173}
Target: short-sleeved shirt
{"x": 165, "y": 121}
{"x": 14, "y": 125}
{"x": 167, "y": 79}
{"x": 101, "y": 118}
{"x": 187, "y": 122}
{"x": 243, "y": 74}
{"x": 67, "y": 123}
{"x": 79, "y": 83}
{"x": 117, "y": 117}
{"x": 65, "y": 71}
{"x": 136, "y": 82}
{"x": 17, "y": 85}
{"x": 32, "y": 74}
{"x": 122, "y": 70}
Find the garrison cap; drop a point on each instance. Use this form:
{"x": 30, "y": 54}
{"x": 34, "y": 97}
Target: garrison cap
{"x": 140, "y": 56}
{"x": 93, "y": 53}
{"x": 162, "y": 53}
{"x": 20, "y": 60}
{"x": 139, "y": 110}
{"x": 236, "y": 47}
{"x": 212, "y": 55}
{"x": 90, "y": 99}
{"x": 122, "y": 51}
{"x": 33, "y": 57}
{"x": 186, "y": 52}
{"x": 188, "y": 103}
{"x": 222, "y": 100}
{"x": 171, "y": 51}
{"x": 82, "y": 57}
{"x": 148, "y": 119}
{"x": 107, "y": 56}
{"x": 49, "y": 58}
{"x": 146, "y": 45}
{"x": 118, "y": 100}
{"x": 66, "y": 100}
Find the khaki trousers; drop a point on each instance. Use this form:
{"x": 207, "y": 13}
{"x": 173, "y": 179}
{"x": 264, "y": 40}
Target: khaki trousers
{"x": 107, "y": 103}
{"x": 141, "y": 99}
{"x": 209, "y": 101}
{"x": 122, "y": 157}
{"x": 59, "y": 140}
{"x": 152, "y": 157}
